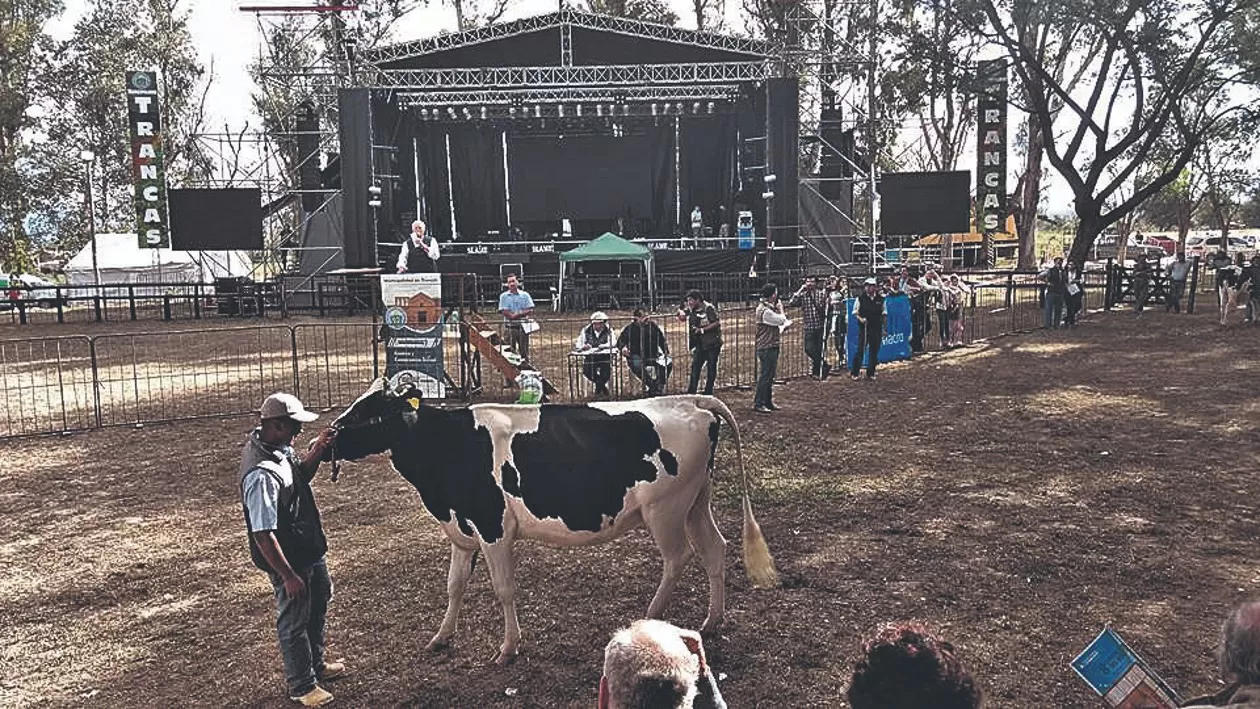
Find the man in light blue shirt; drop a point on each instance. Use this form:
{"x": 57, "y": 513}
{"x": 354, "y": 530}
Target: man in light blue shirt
{"x": 516, "y": 307}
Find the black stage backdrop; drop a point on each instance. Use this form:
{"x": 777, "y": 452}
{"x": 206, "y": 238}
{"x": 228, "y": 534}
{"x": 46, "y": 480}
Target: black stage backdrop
{"x": 707, "y": 167}
{"x": 477, "y": 175}
{"x": 593, "y": 177}
{"x": 432, "y": 177}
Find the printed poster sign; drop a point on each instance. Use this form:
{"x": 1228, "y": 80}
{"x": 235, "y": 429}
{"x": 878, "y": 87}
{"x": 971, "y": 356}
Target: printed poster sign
{"x": 413, "y": 331}
{"x": 896, "y": 343}
{"x": 1123, "y": 680}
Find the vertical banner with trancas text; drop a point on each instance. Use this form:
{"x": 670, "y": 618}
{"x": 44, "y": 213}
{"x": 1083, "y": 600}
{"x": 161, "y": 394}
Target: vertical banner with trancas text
{"x": 145, "y": 123}
{"x": 991, "y": 152}
{"x": 413, "y": 331}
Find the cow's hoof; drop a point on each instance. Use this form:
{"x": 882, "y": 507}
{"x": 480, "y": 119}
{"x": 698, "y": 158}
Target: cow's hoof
{"x": 438, "y": 644}
{"x": 505, "y": 658}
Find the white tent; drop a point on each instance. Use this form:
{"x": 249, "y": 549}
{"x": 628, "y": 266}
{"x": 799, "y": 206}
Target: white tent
{"x": 123, "y": 262}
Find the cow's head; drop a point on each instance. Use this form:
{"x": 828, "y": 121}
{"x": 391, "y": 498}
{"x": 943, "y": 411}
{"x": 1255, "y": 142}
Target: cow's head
{"x": 374, "y": 421}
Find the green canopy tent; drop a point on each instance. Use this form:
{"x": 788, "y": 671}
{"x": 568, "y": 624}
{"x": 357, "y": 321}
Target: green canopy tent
{"x": 609, "y": 247}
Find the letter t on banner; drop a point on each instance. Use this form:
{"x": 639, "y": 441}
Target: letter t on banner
{"x": 145, "y": 124}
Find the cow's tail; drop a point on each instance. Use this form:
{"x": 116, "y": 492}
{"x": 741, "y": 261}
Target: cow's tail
{"x": 757, "y": 560}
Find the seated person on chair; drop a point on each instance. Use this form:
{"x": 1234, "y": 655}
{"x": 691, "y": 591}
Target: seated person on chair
{"x": 596, "y": 338}
{"x": 643, "y": 345}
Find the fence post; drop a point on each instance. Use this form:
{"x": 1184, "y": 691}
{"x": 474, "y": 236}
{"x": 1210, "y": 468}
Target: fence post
{"x": 319, "y": 298}
{"x": 1194, "y": 286}
{"x": 284, "y": 300}
{"x": 61, "y": 310}
{"x": 166, "y": 306}
{"x": 131, "y": 301}
{"x": 297, "y": 378}
{"x": 376, "y": 343}
{"x": 96, "y": 305}
{"x": 21, "y": 306}
{"x": 96, "y": 382}
{"x": 1010, "y": 290}
{"x": 1109, "y": 288}
{"x": 196, "y": 301}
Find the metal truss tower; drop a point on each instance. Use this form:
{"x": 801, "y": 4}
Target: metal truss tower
{"x": 832, "y": 46}
{"x": 305, "y": 53}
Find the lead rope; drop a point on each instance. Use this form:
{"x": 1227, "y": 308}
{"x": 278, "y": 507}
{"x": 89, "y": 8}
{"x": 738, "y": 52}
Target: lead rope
{"x": 336, "y": 463}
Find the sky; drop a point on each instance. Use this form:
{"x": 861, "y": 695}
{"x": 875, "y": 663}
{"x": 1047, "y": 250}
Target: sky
{"x": 227, "y": 39}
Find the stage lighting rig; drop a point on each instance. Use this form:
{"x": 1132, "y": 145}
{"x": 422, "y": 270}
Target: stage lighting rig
{"x": 374, "y": 193}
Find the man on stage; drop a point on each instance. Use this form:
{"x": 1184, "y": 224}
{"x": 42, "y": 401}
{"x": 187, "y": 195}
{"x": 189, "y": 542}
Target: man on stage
{"x": 420, "y": 252}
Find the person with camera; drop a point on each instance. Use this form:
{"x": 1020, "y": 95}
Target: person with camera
{"x": 813, "y": 302}
{"x": 704, "y": 336}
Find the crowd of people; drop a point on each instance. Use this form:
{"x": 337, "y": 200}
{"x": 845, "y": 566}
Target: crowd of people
{"x": 936, "y": 301}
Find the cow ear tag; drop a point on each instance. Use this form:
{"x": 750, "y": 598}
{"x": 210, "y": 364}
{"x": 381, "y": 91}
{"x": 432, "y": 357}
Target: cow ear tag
{"x": 415, "y": 403}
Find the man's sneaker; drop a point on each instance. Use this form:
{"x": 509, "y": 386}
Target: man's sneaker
{"x": 762, "y": 410}
{"x": 774, "y": 407}
{"x": 317, "y": 697}
{"x": 332, "y": 670}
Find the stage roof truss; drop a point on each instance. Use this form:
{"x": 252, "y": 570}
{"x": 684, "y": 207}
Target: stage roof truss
{"x": 601, "y": 95}
{"x": 567, "y": 18}
{"x": 542, "y": 76}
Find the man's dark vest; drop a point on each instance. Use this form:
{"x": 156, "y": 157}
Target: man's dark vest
{"x": 418, "y": 260}
{"x": 298, "y": 529}
{"x": 1056, "y": 280}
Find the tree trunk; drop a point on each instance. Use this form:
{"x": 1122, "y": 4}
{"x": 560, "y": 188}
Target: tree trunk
{"x": 1030, "y": 197}
{"x": 1087, "y": 231}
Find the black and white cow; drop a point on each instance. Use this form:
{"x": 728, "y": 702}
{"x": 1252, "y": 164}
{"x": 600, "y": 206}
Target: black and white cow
{"x": 564, "y": 475}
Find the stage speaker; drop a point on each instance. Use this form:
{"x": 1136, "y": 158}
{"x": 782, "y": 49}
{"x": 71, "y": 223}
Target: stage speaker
{"x": 309, "y": 177}
{"x": 915, "y": 203}
{"x": 832, "y": 165}
{"x": 215, "y": 220}
{"x": 355, "y": 117}
{"x": 782, "y": 137}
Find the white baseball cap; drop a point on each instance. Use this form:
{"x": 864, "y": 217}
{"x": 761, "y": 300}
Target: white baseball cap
{"x": 599, "y": 315}
{"x": 871, "y": 282}
{"x": 280, "y": 405}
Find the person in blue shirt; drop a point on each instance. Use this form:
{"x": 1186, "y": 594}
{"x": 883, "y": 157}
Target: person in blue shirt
{"x": 516, "y": 307}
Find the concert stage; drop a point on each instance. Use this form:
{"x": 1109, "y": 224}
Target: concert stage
{"x": 516, "y": 141}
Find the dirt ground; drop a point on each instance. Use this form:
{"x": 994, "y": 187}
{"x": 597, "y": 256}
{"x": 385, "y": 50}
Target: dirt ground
{"x": 1017, "y": 495}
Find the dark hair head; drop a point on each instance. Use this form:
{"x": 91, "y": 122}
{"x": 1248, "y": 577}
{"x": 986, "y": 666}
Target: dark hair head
{"x": 768, "y": 290}
{"x": 638, "y": 312}
{"x": 905, "y": 667}
{"x": 694, "y": 294}
{"x": 1239, "y": 651}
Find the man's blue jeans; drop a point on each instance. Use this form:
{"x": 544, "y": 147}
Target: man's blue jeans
{"x": 768, "y": 362}
{"x": 300, "y": 627}
{"x": 1054, "y": 310}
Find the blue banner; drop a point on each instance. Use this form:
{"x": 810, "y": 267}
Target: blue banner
{"x": 896, "y": 341}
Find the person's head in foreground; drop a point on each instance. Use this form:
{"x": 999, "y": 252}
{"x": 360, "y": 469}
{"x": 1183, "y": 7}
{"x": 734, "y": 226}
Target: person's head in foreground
{"x": 1239, "y": 653}
{"x": 1239, "y": 656}
{"x": 652, "y": 665}
{"x": 905, "y": 667}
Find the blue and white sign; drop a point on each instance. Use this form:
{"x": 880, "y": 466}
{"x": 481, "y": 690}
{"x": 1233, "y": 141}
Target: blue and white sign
{"x": 896, "y": 341}
{"x": 413, "y": 328}
{"x": 744, "y": 230}
{"x": 1113, "y": 670}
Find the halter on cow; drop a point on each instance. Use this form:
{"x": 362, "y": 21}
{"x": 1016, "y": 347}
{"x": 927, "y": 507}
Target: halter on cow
{"x": 565, "y": 475}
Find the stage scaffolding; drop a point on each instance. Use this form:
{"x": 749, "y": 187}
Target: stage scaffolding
{"x": 308, "y": 52}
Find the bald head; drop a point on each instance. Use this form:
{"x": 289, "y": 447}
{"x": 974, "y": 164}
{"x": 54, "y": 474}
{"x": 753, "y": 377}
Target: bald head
{"x": 1240, "y": 644}
{"x": 649, "y": 666}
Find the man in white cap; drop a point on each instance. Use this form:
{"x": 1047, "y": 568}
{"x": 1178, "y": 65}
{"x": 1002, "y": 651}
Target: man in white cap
{"x": 596, "y": 338}
{"x": 287, "y": 541}
{"x": 869, "y": 309}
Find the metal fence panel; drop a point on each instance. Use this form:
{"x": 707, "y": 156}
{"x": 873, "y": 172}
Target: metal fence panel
{"x": 47, "y": 385}
{"x": 333, "y": 363}
{"x": 162, "y": 376}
